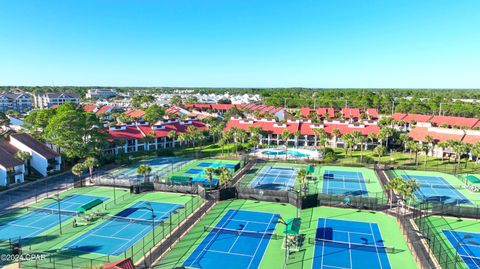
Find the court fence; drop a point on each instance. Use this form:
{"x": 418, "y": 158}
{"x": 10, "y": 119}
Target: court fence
{"x": 439, "y": 247}
{"x": 74, "y": 259}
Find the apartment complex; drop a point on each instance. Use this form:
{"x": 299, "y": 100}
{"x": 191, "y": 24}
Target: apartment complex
{"x": 101, "y": 93}
{"x": 20, "y": 102}
{"x": 47, "y": 100}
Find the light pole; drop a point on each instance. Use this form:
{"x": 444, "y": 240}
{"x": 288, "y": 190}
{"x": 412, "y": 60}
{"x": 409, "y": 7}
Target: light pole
{"x": 150, "y": 207}
{"x": 56, "y": 197}
{"x": 467, "y": 236}
{"x": 114, "y": 192}
{"x": 282, "y": 221}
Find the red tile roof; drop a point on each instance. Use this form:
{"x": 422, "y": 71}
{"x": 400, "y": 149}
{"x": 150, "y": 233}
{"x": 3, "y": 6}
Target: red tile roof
{"x": 122, "y": 264}
{"x": 439, "y": 134}
{"x": 346, "y": 129}
{"x": 130, "y": 132}
{"x": 89, "y": 108}
{"x": 351, "y": 112}
{"x": 417, "y": 118}
{"x": 398, "y": 116}
{"x": 324, "y": 111}
{"x": 455, "y": 121}
{"x": 305, "y": 111}
{"x": 471, "y": 138}
{"x": 135, "y": 113}
{"x": 373, "y": 113}
{"x": 104, "y": 109}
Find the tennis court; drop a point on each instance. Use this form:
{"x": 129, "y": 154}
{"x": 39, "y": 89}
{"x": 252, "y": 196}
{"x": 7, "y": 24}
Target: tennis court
{"x": 468, "y": 246}
{"x": 121, "y": 231}
{"x": 194, "y": 171}
{"x": 349, "y": 244}
{"x": 275, "y": 178}
{"x": 239, "y": 240}
{"x": 41, "y": 219}
{"x": 159, "y": 165}
{"x": 344, "y": 183}
{"x": 437, "y": 189}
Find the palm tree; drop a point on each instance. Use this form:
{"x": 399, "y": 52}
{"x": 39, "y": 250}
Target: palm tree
{"x": 317, "y": 133}
{"x": 349, "y": 142}
{"x": 414, "y": 147}
{"x": 385, "y": 134}
{"x": 285, "y": 136}
{"x": 379, "y": 151}
{"x": 172, "y": 135}
{"x": 336, "y": 133}
{"x": 427, "y": 147}
{"x": 183, "y": 137}
{"x": 25, "y": 157}
{"x": 301, "y": 177}
{"x": 144, "y": 170}
{"x": 393, "y": 185}
{"x": 404, "y": 138}
{"x": 459, "y": 148}
{"x": 78, "y": 169}
{"x": 224, "y": 175}
{"x": 476, "y": 153}
{"x": 372, "y": 136}
{"x": 443, "y": 145}
{"x": 297, "y": 134}
{"x": 209, "y": 173}
{"x": 408, "y": 190}
{"x": 91, "y": 163}
{"x": 361, "y": 140}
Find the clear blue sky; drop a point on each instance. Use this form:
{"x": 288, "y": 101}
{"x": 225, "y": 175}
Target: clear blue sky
{"x": 241, "y": 43}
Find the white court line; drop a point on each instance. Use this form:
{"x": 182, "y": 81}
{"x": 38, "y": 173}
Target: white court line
{"x": 260, "y": 242}
{"x": 130, "y": 240}
{"x": 349, "y": 232}
{"x": 376, "y": 248}
{"x": 462, "y": 245}
{"x": 229, "y": 253}
{"x": 110, "y": 237}
{"x": 214, "y": 237}
{"x": 24, "y": 226}
{"x": 323, "y": 242}
{"x": 350, "y": 250}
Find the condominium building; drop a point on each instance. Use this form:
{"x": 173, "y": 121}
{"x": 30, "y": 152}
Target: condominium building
{"x": 17, "y": 102}
{"x": 101, "y": 93}
{"x": 46, "y": 100}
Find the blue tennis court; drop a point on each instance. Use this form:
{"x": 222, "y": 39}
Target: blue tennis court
{"x": 275, "y": 178}
{"x": 468, "y": 245}
{"x": 121, "y": 231}
{"x": 349, "y": 244}
{"x": 437, "y": 189}
{"x": 344, "y": 183}
{"x": 238, "y": 241}
{"x": 216, "y": 165}
{"x": 41, "y": 219}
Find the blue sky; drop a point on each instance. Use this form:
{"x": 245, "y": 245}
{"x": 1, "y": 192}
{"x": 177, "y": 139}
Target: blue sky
{"x": 241, "y": 43}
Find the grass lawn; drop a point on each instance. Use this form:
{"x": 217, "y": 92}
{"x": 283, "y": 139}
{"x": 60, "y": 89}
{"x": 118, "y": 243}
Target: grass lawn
{"x": 51, "y": 241}
{"x": 274, "y": 255}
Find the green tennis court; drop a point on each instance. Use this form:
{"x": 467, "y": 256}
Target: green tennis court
{"x": 194, "y": 171}
{"x": 274, "y": 255}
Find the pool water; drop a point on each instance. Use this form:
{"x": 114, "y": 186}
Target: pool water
{"x": 282, "y": 152}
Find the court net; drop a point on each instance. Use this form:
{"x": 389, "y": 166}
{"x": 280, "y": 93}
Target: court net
{"x": 441, "y": 186}
{"x": 285, "y": 176}
{"x": 236, "y": 232}
{"x": 53, "y": 211}
{"x": 134, "y": 220}
{"x": 353, "y": 246}
{"x": 346, "y": 179}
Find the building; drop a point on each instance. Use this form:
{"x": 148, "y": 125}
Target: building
{"x": 101, "y": 93}
{"x": 47, "y": 100}
{"x": 303, "y": 132}
{"x": 132, "y": 137}
{"x": 17, "y": 102}
{"x": 248, "y": 109}
{"x": 44, "y": 160}
{"x": 12, "y": 170}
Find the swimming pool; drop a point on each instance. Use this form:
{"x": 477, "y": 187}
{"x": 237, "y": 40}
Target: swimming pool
{"x": 295, "y": 153}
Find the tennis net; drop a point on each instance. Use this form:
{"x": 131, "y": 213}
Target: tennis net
{"x": 441, "y": 186}
{"x": 286, "y": 176}
{"x": 350, "y": 245}
{"x": 134, "y": 220}
{"x": 236, "y": 232}
{"x": 53, "y": 211}
{"x": 346, "y": 179}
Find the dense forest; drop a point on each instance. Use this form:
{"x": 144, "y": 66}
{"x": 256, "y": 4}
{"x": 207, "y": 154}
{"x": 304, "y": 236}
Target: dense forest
{"x": 423, "y": 101}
